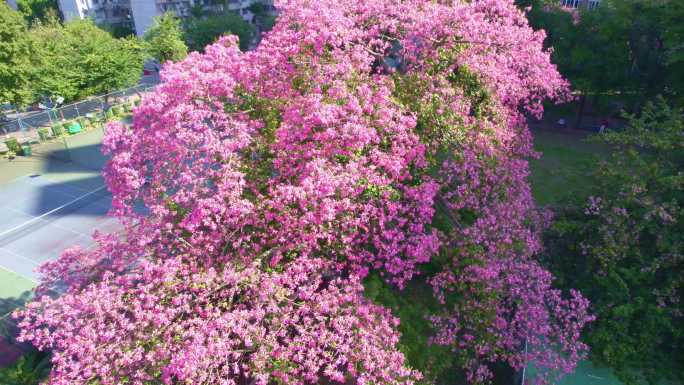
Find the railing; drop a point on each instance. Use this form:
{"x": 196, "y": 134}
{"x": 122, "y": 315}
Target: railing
{"x": 27, "y": 125}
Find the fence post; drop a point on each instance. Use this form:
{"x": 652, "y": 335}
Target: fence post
{"x": 21, "y": 125}
{"x": 77, "y": 112}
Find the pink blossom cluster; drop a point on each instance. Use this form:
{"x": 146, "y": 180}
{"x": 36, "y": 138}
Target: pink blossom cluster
{"x": 273, "y": 181}
{"x": 173, "y": 322}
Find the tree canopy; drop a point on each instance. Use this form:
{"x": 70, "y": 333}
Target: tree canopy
{"x": 206, "y": 29}
{"x": 78, "y": 59}
{"x": 165, "y": 39}
{"x": 620, "y": 47}
{"x": 15, "y": 51}
{"x": 34, "y": 10}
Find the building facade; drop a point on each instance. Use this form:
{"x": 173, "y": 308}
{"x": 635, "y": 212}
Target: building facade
{"x": 144, "y": 11}
{"x": 138, "y": 15}
{"x": 114, "y": 13}
{"x": 591, "y": 4}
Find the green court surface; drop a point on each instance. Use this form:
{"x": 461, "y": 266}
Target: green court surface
{"x": 14, "y": 291}
{"x": 13, "y": 285}
{"x": 566, "y": 157}
{"x": 586, "y": 373}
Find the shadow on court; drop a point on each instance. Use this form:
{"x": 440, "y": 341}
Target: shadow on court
{"x": 57, "y": 203}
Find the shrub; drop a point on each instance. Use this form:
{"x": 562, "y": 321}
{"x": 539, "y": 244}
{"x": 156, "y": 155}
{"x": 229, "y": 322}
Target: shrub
{"x": 13, "y": 145}
{"x": 29, "y": 369}
{"x": 43, "y": 134}
{"x": 57, "y": 130}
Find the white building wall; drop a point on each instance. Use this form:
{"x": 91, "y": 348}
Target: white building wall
{"x": 73, "y": 9}
{"x": 143, "y": 12}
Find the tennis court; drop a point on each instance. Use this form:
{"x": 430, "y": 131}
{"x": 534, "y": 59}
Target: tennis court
{"x": 42, "y": 217}
{"x": 49, "y": 201}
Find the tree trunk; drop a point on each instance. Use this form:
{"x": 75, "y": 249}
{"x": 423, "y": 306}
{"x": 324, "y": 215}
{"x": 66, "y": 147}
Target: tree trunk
{"x": 580, "y": 113}
{"x": 594, "y": 103}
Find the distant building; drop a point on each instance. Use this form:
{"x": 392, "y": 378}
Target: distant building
{"x": 114, "y": 13}
{"x": 591, "y": 4}
{"x": 140, "y": 14}
{"x": 12, "y": 4}
{"x": 144, "y": 11}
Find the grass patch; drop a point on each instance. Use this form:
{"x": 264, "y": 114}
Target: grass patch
{"x": 562, "y": 169}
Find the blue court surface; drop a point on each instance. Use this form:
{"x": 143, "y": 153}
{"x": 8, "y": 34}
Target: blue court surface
{"x": 42, "y": 215}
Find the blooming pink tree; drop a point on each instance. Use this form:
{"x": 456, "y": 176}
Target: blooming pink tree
{"x": 359, "y": 136}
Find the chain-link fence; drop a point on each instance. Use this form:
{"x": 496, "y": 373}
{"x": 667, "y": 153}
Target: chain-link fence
{"x": 46, "y": 124}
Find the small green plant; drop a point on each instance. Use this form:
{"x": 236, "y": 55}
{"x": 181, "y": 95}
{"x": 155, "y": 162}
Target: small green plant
{"x": 127, "y": 107}
{"x": 57, "y": 130}
{"x": 10, "y": 154}
{"x": 30, "y": 369}
{"x": 43, "y": 134}
{"x": 136, "y": 102}
{"x": 109, "y": 114}
{"x": 13, "y": 145}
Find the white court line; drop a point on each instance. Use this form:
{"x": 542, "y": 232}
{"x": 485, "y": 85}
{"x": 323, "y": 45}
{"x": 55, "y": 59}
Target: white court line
{"x": 52, "y": 223}
{"x": 50, "y": 212}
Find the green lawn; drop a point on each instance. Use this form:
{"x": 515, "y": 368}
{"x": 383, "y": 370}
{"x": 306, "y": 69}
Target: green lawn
{"x": 566, "y": 157}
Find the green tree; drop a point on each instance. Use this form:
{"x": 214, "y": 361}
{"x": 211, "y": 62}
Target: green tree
{"x": 620, "y": 48}
{"x": 14, "y": 57}
{"x": 78, "y": 59}
{"x": 262, "y": 17}
{"x": 165, "y": 39}
{"x": 37, "y": 9}
{"x": 577, "y": 39}
{"x": 119, "y": 30}
{"x": 622, "y": 245}
{"x": 30, "y": 369}
{"x": 201, "y": 32}
{"x": 674, "y": 44}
